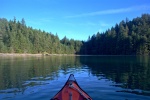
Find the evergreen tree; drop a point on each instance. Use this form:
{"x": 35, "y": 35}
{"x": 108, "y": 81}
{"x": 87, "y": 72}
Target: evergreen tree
{"x": 126, "y": 38}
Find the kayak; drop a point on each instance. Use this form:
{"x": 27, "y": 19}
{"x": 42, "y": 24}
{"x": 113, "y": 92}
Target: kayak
{"x": 71, "y": 91}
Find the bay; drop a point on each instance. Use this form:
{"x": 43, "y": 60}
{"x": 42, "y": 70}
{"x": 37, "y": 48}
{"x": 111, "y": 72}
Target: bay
{"x": 102, "y": 77}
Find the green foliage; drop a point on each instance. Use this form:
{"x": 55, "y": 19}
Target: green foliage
{"x": 16, "y": 37}
{"x": 127, "y": 38}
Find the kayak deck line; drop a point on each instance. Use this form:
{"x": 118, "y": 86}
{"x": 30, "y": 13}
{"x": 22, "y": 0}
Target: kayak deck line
{"x": 71, "y": 91}
{"x": 71, "y": 86}
{"x": 70, "y": 96}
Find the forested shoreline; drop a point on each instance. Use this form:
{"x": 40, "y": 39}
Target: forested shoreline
{"x": 126, "y": 38}
{"x": 16, "y": 37}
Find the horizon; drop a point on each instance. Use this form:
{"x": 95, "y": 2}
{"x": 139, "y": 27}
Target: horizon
{"x": 74, "y": 19}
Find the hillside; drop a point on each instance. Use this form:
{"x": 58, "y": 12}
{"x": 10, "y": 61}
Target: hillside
{"x": 16, "y": 37}
{"x": 126, "y": 38}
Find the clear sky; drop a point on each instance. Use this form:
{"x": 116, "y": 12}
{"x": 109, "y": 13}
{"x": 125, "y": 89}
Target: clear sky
{"x": 77, "y": 19}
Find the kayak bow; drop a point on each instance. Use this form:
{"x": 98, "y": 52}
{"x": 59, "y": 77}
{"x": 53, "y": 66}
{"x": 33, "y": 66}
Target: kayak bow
{"x": 71, "y": 91}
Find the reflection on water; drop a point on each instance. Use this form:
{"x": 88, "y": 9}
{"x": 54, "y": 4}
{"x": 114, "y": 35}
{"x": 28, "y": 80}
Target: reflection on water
{"x": 14, "y": 71}
{"x": 129, "y": 72}
{"x": 122, "y": 77}
{"x": 133, "y": 72}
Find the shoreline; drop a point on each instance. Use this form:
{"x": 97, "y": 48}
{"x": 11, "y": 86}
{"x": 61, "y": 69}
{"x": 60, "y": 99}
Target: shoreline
{"x": 18, "y": 55}
{"x": 41, "y": 54}
{"x": 34, "y": 55}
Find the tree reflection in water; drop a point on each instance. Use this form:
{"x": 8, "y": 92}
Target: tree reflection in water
{"x": 130, "y": 72}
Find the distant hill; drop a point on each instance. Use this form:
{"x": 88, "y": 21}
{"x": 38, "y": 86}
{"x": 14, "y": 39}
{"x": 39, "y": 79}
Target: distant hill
{"x": 16, "y": 37}
{"x": 125, "y": 38}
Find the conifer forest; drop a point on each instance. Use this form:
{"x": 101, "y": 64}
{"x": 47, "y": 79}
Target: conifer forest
{"x": 129, "y": 37}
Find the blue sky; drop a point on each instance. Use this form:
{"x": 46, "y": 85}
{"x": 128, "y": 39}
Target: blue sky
{"x": 77, "y": 19}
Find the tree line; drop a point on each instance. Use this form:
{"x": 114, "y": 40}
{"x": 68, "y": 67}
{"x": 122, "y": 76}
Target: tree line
{"x": 16, "y": 37}
{"x": 126, "y": 38}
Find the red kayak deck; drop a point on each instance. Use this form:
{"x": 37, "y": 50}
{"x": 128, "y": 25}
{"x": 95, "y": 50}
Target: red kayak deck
{"x": 71, "y": 91}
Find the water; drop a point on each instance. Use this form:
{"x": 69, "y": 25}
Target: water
{"x": 102, "y": 77}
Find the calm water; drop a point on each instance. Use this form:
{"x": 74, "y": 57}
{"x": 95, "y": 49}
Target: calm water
{"x": 102, "y": 77}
